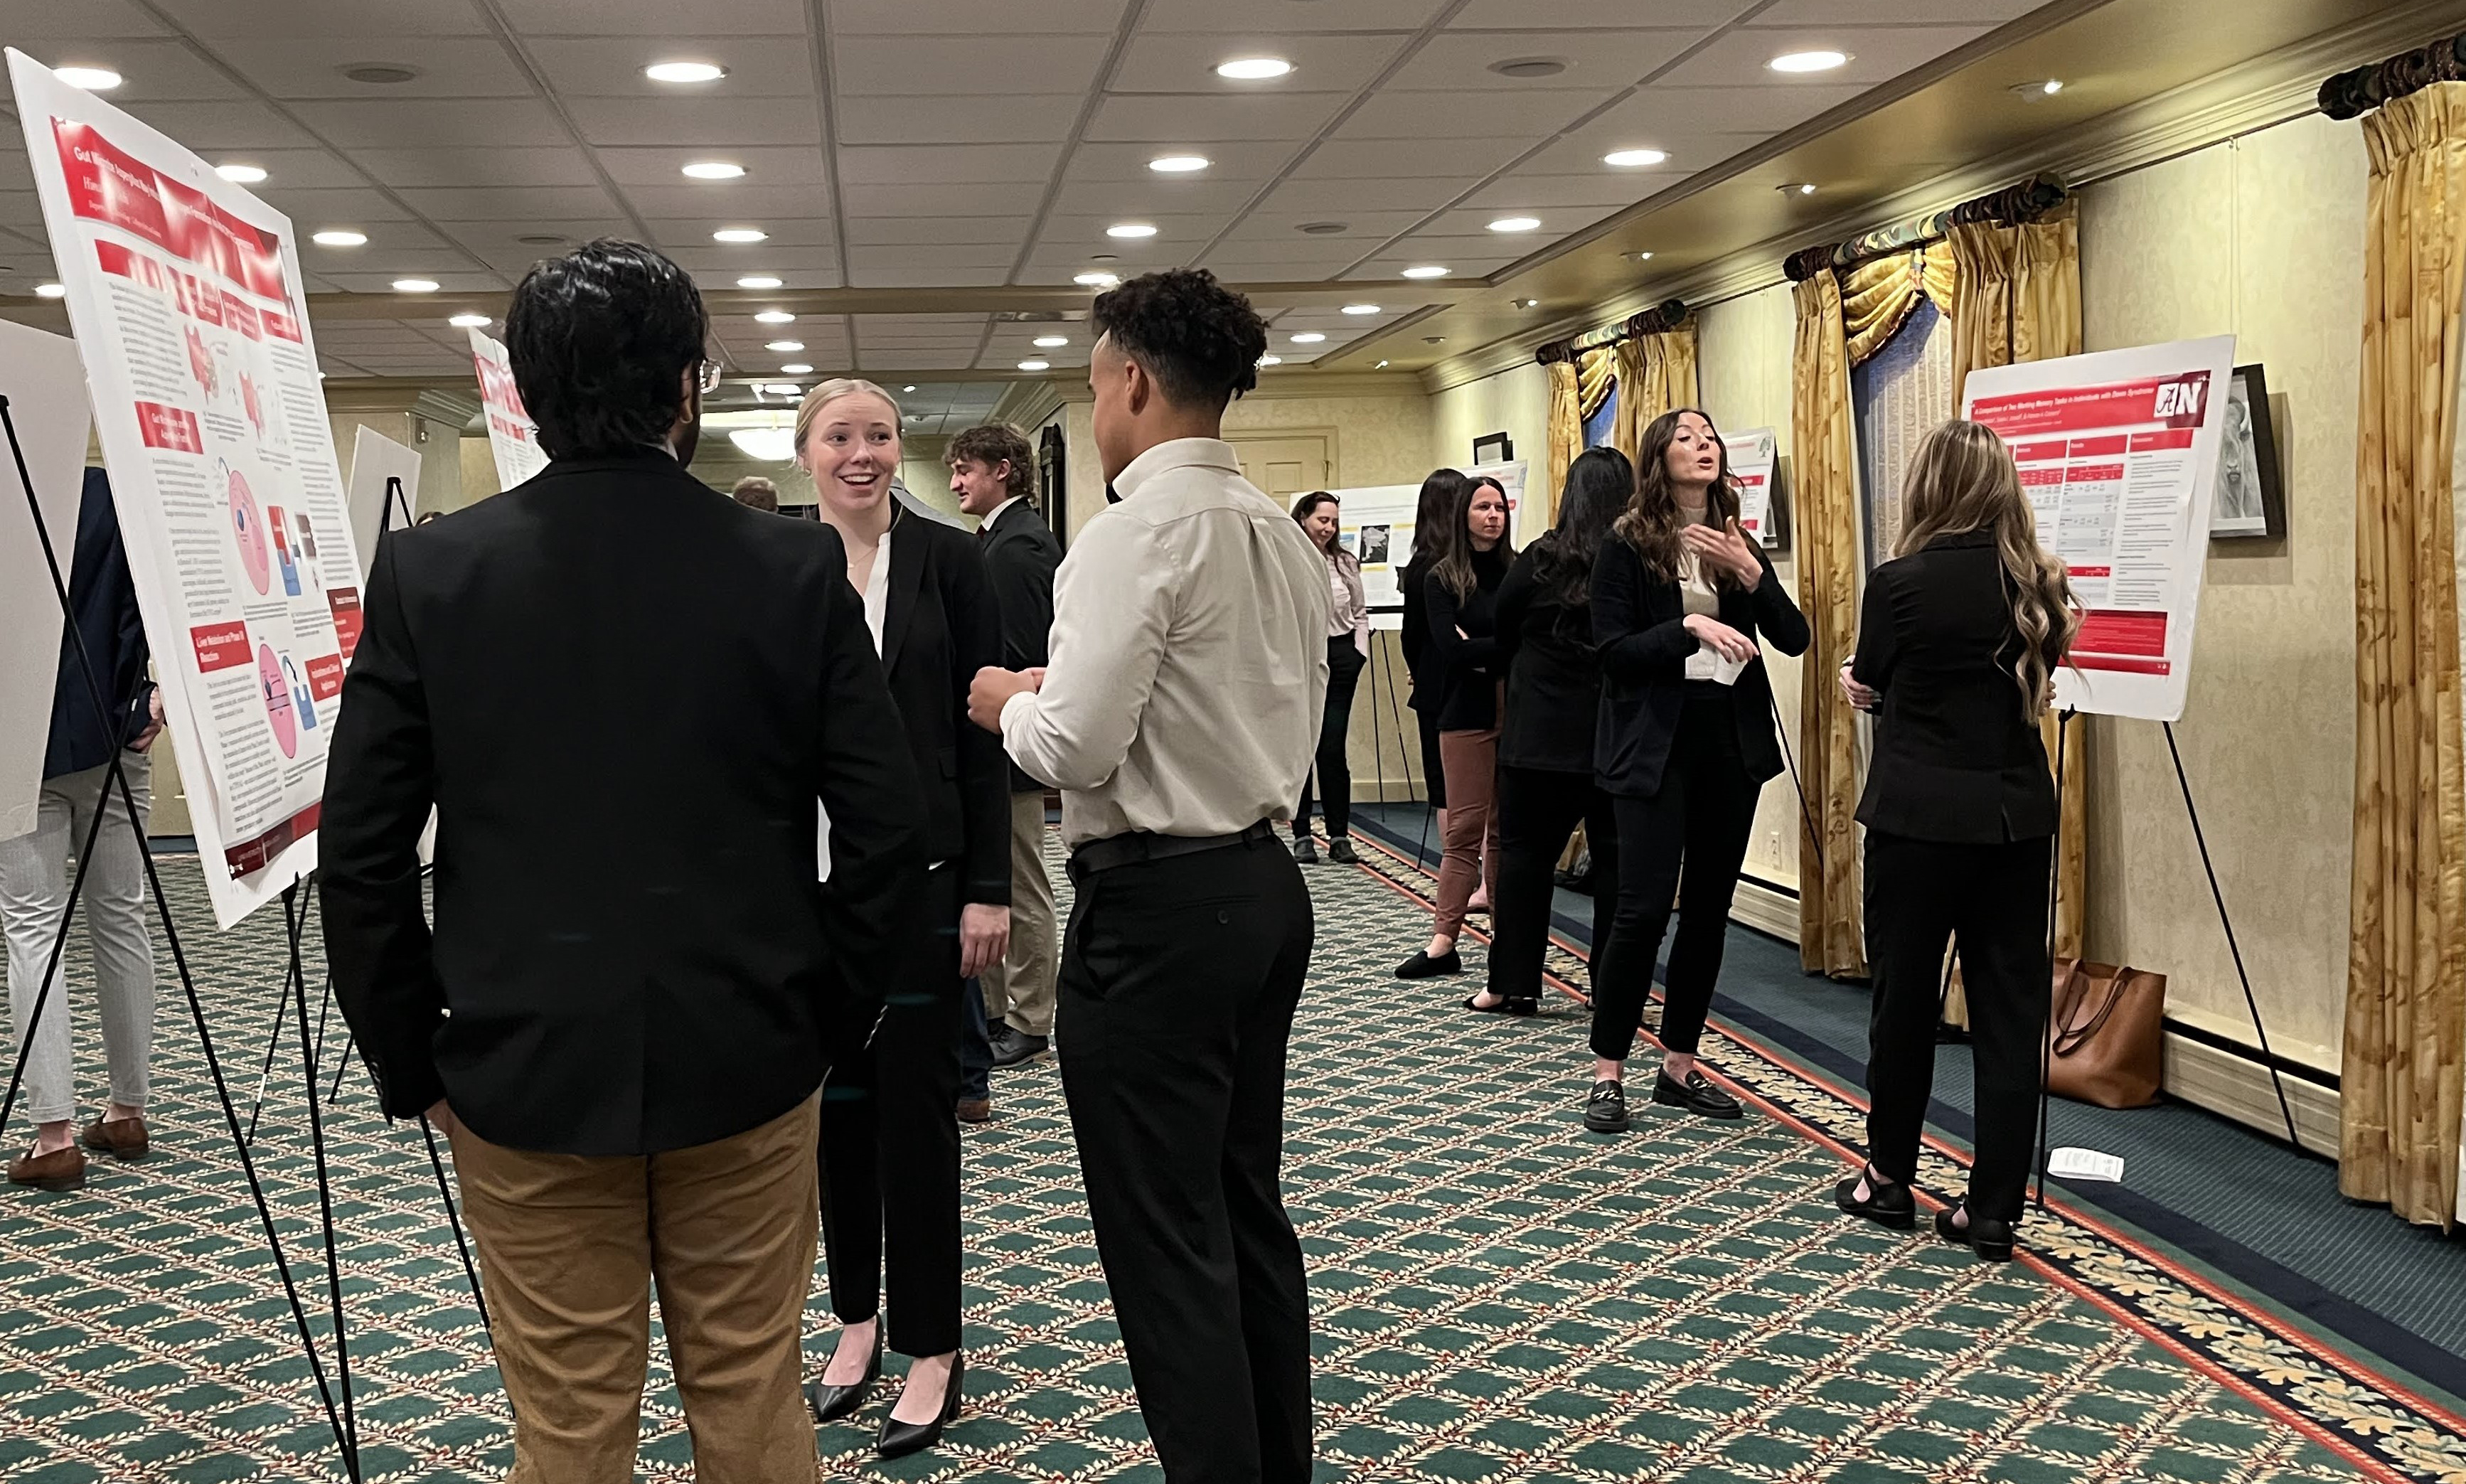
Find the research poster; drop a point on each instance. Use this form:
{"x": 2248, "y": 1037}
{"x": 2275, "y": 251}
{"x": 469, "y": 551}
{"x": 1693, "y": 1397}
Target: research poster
{"x": 1375, "y": 523}
{"x": 1753, "y": 454}
{"x": 512, "y": 436}
{"x": 183, "y": 291}
{"x": 2118, "y": 453}
{"x": 384, "y": 488}
{"x": 45, "y": 384}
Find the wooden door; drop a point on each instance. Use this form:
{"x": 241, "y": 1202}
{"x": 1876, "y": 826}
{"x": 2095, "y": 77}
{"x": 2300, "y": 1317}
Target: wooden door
{"x": 1284, "y": 466}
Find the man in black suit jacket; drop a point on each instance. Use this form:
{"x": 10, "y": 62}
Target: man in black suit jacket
{"x": 992, "y": 471}
{"x": 623, "y": 694}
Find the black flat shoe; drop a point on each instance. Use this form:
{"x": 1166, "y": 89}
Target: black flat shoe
{"x": 1339, "y": 852}
{"x": 1697, "y": 1094}
{"x": 899, "y": 1438}
{"x": 1505, "y": 1006}
{"x": 1990, "y": 1240}
{"x": 1887, "y": 1204}
{"x": 1606, "y": 1111}
{"x": 1304, "y": 851}
{"x": 831, "y": 1403}
{"x": 1422, "y": 966}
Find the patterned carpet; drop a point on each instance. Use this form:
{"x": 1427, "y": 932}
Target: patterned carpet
{"x": 1499, "y": 1295}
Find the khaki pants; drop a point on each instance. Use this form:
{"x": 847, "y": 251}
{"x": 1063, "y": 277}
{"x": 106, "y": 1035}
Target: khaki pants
{"x": 571, "y": 1247}
{"x": 1019, "y": 989}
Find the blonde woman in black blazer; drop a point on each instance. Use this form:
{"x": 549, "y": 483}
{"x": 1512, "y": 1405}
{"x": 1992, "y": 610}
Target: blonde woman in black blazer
{"x": 1959, "y": 637}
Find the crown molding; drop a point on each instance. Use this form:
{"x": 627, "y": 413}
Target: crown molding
{"x": 2261, "y": 94}
{"x": 1027, "y": 404}
{"x": 1274, "y": 385}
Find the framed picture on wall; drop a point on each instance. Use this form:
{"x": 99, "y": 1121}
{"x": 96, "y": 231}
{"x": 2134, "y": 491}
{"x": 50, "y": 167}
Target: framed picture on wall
{"x": 1494, "y": 448}
{"x": 2251, "y": 499}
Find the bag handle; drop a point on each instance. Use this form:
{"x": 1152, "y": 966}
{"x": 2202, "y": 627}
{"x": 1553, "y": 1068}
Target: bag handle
{"x": 2069, "y": 1039}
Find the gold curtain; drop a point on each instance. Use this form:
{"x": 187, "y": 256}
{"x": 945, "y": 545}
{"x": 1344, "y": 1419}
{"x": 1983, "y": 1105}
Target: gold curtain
{"x": 2016, "y": 296}
{"x": 1656, "y": 373}
{"x": 1566, "y": 434}
{"x": 2405, "y": 953}
{"x": 1597, "y": 375}
{"x": 1878, "y": 295}
{"x": 1832, "y": 937}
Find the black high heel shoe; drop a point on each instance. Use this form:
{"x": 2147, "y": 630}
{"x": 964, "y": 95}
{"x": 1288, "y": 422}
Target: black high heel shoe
{"x": 831, "y": 1403}
{"x": 899, "y": 1438}
{"x": 1990, "y": 1240}
{"x": 1886, "y": 1202}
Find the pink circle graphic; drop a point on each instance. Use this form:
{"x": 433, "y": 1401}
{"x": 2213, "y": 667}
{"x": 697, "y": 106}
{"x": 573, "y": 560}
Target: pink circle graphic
{"x": 247, "y": 527}
{"x": 276, "y": 696}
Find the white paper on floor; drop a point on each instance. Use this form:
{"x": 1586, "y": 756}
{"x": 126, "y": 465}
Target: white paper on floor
{"x": 2076, "y": 1163}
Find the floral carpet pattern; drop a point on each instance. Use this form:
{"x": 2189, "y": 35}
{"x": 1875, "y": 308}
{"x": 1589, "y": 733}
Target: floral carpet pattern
{"x": 1499, "y": 1295}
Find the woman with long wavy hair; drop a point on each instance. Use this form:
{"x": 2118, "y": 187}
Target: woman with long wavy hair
{"x": 1348, "y": 650}
{"x": 1957, "y": 646}
{"x": 1434, "y": 532}
{"x": 1684, "y": 747}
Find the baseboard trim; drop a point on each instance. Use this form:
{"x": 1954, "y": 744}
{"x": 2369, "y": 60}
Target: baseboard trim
{"x": 2237, "y": 1087}
{"x": 1766, "y": 908}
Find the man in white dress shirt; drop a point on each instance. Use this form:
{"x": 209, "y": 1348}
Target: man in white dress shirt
{"x": 1179, "y": 716}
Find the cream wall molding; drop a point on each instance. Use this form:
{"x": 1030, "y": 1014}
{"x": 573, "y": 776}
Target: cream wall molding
{"x": 1027, "y": 404}
{"x": 2261, "y": 94}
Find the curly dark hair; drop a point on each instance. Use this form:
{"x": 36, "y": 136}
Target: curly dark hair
{"x": 1652, "y": 520}
{"x": 1199, "y": 340}
{"x": 989, "y": 443}
{"x": 600, "y": 340}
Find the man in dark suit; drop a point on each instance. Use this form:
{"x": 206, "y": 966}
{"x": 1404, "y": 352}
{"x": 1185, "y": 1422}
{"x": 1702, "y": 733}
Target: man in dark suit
{"x": 992, "y": 471}
{"x": 623, "y": 693}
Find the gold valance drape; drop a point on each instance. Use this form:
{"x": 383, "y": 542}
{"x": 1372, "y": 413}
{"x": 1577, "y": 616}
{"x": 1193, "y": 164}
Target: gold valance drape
{"x": 1877, "y": 296}
{"x": 2406, "y": 955}
{"x": 1597, "y": 375}
{"x": 1656, "y": 375}
{"x": 1831, "y": 935}
{"x": 1567, "y": 434}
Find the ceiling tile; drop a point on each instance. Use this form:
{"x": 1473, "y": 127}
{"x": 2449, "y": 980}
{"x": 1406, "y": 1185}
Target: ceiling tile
{"x": 432, "y": 122}
{"x": 1893, "y": 13}
{"x": 1392, "y": 159}
{"x": 152, "y": 72}
{"x": 943, "y": 17}
{"x": 1601, "y": 61}
{"x": 1538, "y": 194}
{"x": 1610, "y": 14}
{"x": 655, "y": 18}
{"x": 1177, "y": 62}
{"x": 1676, "y": 110}
{"x": 1123, "y": 201}
{"x": 514, "y": 165}
{"x": 503, "y": 203}
{"x": 940, "y": 118}
{"x": 27, "y": 22}
{"x": 946, "y": 164}
{"x": 306, "y": 169}
{"x": 1253, "y": 160}
{"x": 737, "y": 202}
{"x": 1878, "y": 54}
{"x": 294, "y": 67}
{"x": 343, "y": 205}
{"x": 1147, "y": 117}
{"x": 204, "y": 126}
{"x": 1339, "y": 199}
{"x": 1289, "y": 18}
{"x": 932, "y": 199}
{"x": 785, "y": 233}
{"x": 1447, "y": 113}
{"x": 696, "y": 122}
{"x": 786, "y": 165}
{"x": 775, "y": 66}
{"x": 875, "y": 66}
{"x": 892, "y": 230}
{"x": 932, "y": 255}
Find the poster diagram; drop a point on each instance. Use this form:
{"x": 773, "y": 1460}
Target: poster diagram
{"x": 2119, "y": 454}
{"x": 512, "y": 436}
{"x": 184, "y": 292}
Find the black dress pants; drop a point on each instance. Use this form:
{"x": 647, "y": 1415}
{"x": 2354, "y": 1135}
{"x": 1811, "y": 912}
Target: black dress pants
{"x": 1699, "y": 821}
{"x": 1334, "y": 768}
{"x": 1180, "y": 978}
{"x": 889, "y": 1152}
{"x": 1537, "y": 811}
{"x": 1992, "y": 899}
{"x": 1434, "y": 773}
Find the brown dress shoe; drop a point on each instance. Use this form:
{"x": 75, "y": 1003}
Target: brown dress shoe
{"x": 62, "y": 1169}
{"x": 123, "y": 1138}
{"x": 976, "y": 1109}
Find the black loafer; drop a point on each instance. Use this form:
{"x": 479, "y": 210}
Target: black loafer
{"x": 1990, "y": 1240}
{"x": 1339, "y": 852}
{"x": 1422, "y": 966}
{"x": 1697, "y": 1094}
{"x": 1506, "y": 1005}
{"x": 831, "y": 1403}
{"x": 1606, "y": 1111}
{"x": 1304, "y": 851}
{"x": 1017, "y": 1048}
{"x": 1887, "y": 1204}
{"x": 899, "y": 1438}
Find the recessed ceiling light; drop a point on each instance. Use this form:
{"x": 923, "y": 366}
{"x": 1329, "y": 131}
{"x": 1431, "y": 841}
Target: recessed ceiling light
{"x": 1307, "y": 337}
{"x": 245, "y": 174}
{"x": 911, "y": 387}
{"x": 796, "y": 368}
{"x": 1361, "y": 308}
{"x": 468, "y": 321}
{"x": 739, "y": 234}
{"x": 2033, "y": 92}
{"x": 1244, "y": 69}
{"x": 1271, "y": 360}
{"x": 1527, "y": 67}
{"x": 1428, "y": 270}
{"x": 1096, "y": 280}
{"x": 775, "y": 317}
{"x": 713, "y": 170}
{"x": 1382, "y": 366}
{"x": 1035, "y": 366}
{"x": 1178, "y": 164}
{"x": 544, "y": 239}
{"x": 1797, "y": 188}
{"x": 415, "y": 286}
{"x": 1819, "y": 60}
{"x": 758, "y": 280}
{"x": 783, "y": 388}
{"x": 49, "y": 291}
{"x": 94, "y": 79}
{"x": 684, "y": 72}
{"x": 1130, "y": 228}
{"x": 1324, "y": 229}
{"x": 1625, "y": 158}
{"x": 1641, "y": 256}
{"x": 1050, "y": 342}
{"x": 1515, "y": 224}
{"x": 784, "y": 347}
{"x": 381, "y": 74}
{"x": 1526, "y": 304}
{"x": 338, "y": 237}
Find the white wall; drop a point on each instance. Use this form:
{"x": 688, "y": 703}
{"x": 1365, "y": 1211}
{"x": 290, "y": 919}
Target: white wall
{"x": 1515, "y": 402}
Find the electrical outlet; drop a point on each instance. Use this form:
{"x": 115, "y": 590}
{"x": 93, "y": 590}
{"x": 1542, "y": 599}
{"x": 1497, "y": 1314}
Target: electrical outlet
{"x": 1775, "y": 845}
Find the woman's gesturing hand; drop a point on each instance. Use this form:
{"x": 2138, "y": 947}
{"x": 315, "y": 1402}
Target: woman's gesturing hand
{"x": 1726, "y": 641}
{"x": 1725, "y": 548}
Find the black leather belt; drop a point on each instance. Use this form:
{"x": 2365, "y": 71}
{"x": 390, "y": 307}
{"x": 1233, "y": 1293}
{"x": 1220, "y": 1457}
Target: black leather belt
{"x": 1138, "y": 845}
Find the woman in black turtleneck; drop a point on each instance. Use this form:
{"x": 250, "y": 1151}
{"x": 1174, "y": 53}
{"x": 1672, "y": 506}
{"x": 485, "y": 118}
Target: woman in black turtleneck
{"x": 1460, "y": 599}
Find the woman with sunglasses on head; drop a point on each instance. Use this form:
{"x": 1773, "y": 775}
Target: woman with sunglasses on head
{"x": 1684, "y": 747}
{"x": 1348, "y": 650}
{"x": 1960, "y": 634}
{"x": 1459, "y": 604}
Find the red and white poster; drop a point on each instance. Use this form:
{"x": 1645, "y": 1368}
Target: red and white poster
{"x": 183, "y": 291}
{"x": 512, "y": 436}
{"x": 2118, "y": 453}
{"x": 1753, "y": 454}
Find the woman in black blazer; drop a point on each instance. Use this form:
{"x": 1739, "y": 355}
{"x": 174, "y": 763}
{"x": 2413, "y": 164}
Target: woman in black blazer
{"x": 1685, "y": 743}
{"x": 1433, "y": 518}
{"x": 889, "y": 1143}
{"x": 1545, "y": 742}
{"x": 1960, "y": 635}
{"x": 1460, "y": 640}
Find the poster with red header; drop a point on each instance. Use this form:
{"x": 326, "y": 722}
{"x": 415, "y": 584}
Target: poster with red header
{"x": 185, "y": 294}
{"x": 512, "y": 436}
{"x": 2119, "y": 454}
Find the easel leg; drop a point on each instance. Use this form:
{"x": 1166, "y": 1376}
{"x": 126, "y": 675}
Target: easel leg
{"x": 454, "y": 1218}
{"x": 2046, "y": 989}
{"x": 293, "y": 921}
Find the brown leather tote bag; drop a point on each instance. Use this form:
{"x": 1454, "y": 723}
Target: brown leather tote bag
{"x": 2105, "y": 1041}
